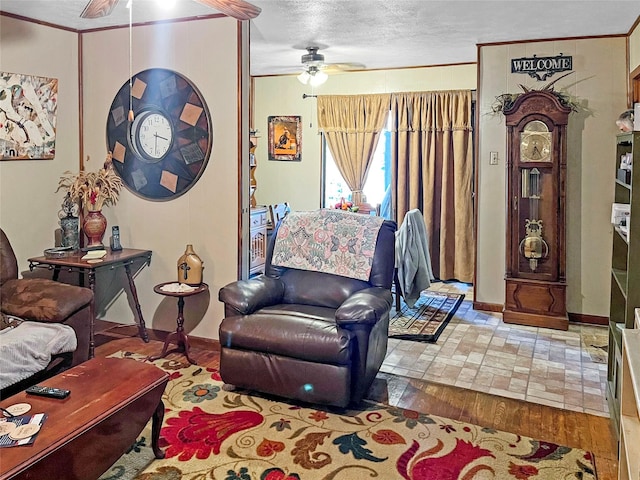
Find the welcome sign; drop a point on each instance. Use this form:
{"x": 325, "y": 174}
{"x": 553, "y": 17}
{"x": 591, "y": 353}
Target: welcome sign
{"x": 541, "y": 68}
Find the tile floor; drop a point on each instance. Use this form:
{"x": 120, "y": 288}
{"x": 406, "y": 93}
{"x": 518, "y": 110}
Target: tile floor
{"x": 479, "y": 352}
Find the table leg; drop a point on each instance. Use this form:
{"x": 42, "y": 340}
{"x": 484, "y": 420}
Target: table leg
{"x": 56, "y": 273}
{"x": 92, "y": 328}
{"x": 92, "y": 311}
{"x": 156, "y": 424}
{"x": 178, "y": 337}
{"x": 142, "y": 328}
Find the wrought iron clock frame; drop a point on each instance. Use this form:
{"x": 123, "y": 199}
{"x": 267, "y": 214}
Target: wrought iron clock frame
{"x": 535, "y": 278}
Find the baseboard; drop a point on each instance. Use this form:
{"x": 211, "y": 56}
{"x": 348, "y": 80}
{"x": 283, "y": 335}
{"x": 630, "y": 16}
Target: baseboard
{"x": 488, "y": 307}
{"x": 573, "y": 317}
{"x": 121, "y": 330}
{"x": 590, "y": 319}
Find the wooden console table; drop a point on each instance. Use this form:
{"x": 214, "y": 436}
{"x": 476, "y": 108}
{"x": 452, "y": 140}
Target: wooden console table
{"x": 111, "y": 401}
{"x": 122, "y": 258}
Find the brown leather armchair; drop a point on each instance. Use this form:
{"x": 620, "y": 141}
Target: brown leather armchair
{"x": 307, "y": 335}
{"x": 44, "y": 300}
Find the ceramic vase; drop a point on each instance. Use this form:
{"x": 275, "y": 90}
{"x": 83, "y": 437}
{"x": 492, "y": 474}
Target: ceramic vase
{"x": 190, "y": 267}
{"x": 94, "y": 226}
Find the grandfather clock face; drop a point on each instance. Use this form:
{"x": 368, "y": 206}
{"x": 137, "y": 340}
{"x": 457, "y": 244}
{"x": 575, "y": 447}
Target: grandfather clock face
{"x": 535, "y": 142}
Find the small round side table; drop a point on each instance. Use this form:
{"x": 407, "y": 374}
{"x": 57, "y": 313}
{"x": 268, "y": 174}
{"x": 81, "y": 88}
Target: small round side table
{"x": 178, "y": 337}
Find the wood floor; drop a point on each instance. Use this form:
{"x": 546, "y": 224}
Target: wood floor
{"x": 574, "y": 429}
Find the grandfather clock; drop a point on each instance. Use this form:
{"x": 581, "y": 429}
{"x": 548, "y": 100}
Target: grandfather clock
{"x": 535, "y": 277}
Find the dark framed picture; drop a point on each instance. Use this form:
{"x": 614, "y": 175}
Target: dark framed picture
{"x": 285, "y": 138}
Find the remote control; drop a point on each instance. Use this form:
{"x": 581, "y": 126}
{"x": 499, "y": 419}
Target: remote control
{"x": 48, "y": 392}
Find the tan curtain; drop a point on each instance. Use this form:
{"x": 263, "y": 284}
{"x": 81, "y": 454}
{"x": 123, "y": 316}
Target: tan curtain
{"x": 432, "y": 170}
{"x": 352, "y": 124}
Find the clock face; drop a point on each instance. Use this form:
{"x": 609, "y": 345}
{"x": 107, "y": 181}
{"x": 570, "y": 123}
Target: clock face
{"x": 536, "y": 147}
{"x": 163, "y": 152}
{"x": 152, "y": 135}
{"x": 535, "y": 142}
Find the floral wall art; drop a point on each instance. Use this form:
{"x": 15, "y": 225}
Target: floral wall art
{"x": 28, "y": 106}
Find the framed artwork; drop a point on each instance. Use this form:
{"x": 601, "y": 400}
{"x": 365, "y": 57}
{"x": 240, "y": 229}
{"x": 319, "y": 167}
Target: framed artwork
{"x": 28, "y": 107}
{"x": 285, "y": 138}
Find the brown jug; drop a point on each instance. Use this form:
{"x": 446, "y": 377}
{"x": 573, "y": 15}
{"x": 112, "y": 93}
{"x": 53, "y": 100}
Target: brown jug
{"x": 190, "y": 267}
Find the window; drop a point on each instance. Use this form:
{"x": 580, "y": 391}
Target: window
{"x": 378, "y": 179}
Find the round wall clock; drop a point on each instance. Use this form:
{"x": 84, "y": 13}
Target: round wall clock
{"x": 163, "y": 152}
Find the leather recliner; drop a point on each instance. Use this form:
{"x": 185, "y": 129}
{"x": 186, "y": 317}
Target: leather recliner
{"x": 306, "y": 335}
{"x": 44, "y": 300}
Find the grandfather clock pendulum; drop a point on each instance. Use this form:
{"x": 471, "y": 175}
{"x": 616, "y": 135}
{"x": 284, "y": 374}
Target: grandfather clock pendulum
{"x": 535, "y": 278}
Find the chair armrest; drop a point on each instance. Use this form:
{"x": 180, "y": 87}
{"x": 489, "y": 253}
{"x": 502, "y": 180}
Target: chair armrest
{"x": 365, "y": 306}
{"x": 247, "y": 296}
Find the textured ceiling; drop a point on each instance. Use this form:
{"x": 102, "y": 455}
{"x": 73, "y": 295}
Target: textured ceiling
{"x": 373, "y": 33}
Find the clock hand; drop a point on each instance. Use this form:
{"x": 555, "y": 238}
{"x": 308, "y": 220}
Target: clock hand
{"x": 160, "y": 136}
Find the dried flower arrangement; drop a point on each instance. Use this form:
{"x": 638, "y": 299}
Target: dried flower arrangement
{"x": 93, "y": 190}
{"x": 506, "y": 100}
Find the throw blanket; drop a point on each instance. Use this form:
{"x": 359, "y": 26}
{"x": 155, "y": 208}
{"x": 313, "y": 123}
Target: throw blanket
{"x": 329, "y": 241}
{"x": 412, "y": 257}
{"x": 27, "y": 349}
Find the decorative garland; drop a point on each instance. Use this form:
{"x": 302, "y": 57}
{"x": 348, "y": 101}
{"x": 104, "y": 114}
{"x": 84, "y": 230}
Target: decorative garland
{"x": 506, "y": 100}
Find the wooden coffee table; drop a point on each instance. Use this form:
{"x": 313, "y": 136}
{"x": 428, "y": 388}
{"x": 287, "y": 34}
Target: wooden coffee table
{"x": 111, "y": 401}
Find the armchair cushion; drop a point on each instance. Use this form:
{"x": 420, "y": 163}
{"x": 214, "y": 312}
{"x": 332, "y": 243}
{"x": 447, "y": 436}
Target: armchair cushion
{"x": 317, "y": 288}
{"x": 282, "y": 330}
{"x": 43, "y": 300}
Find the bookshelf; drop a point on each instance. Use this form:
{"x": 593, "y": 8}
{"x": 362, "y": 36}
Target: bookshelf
{"x": 625, "y": 269}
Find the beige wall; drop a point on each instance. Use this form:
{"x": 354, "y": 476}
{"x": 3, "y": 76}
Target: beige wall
{"x": 599, "y": 82}
{"x": 206, "y": 216}
{"x": 634, "y": 49}
{"x": 28, "y": 202}
{"x": 299, "y": 182}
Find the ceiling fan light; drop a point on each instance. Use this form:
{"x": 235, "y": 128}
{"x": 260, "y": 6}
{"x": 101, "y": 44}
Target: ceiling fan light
{"x": 304, "y": 77}
{"x": 319, "y": 78}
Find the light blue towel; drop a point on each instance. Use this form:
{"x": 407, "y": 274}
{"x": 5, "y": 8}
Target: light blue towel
{"x": 412, "y": 257}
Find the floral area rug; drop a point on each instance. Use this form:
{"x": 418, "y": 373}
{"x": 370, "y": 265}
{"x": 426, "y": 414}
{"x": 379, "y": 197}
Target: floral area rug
{"x": 210, "y": 433}
{"x": 427, "y": 319}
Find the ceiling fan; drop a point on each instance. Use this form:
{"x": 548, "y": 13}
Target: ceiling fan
{"x": 315, "y": 68}
{"x": 238, "y": 9}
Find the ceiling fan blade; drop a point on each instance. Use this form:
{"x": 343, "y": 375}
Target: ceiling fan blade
{"x": 342, "y": 67}
{"x": 238, "y": 9}
{"x": 98, "y": 8}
